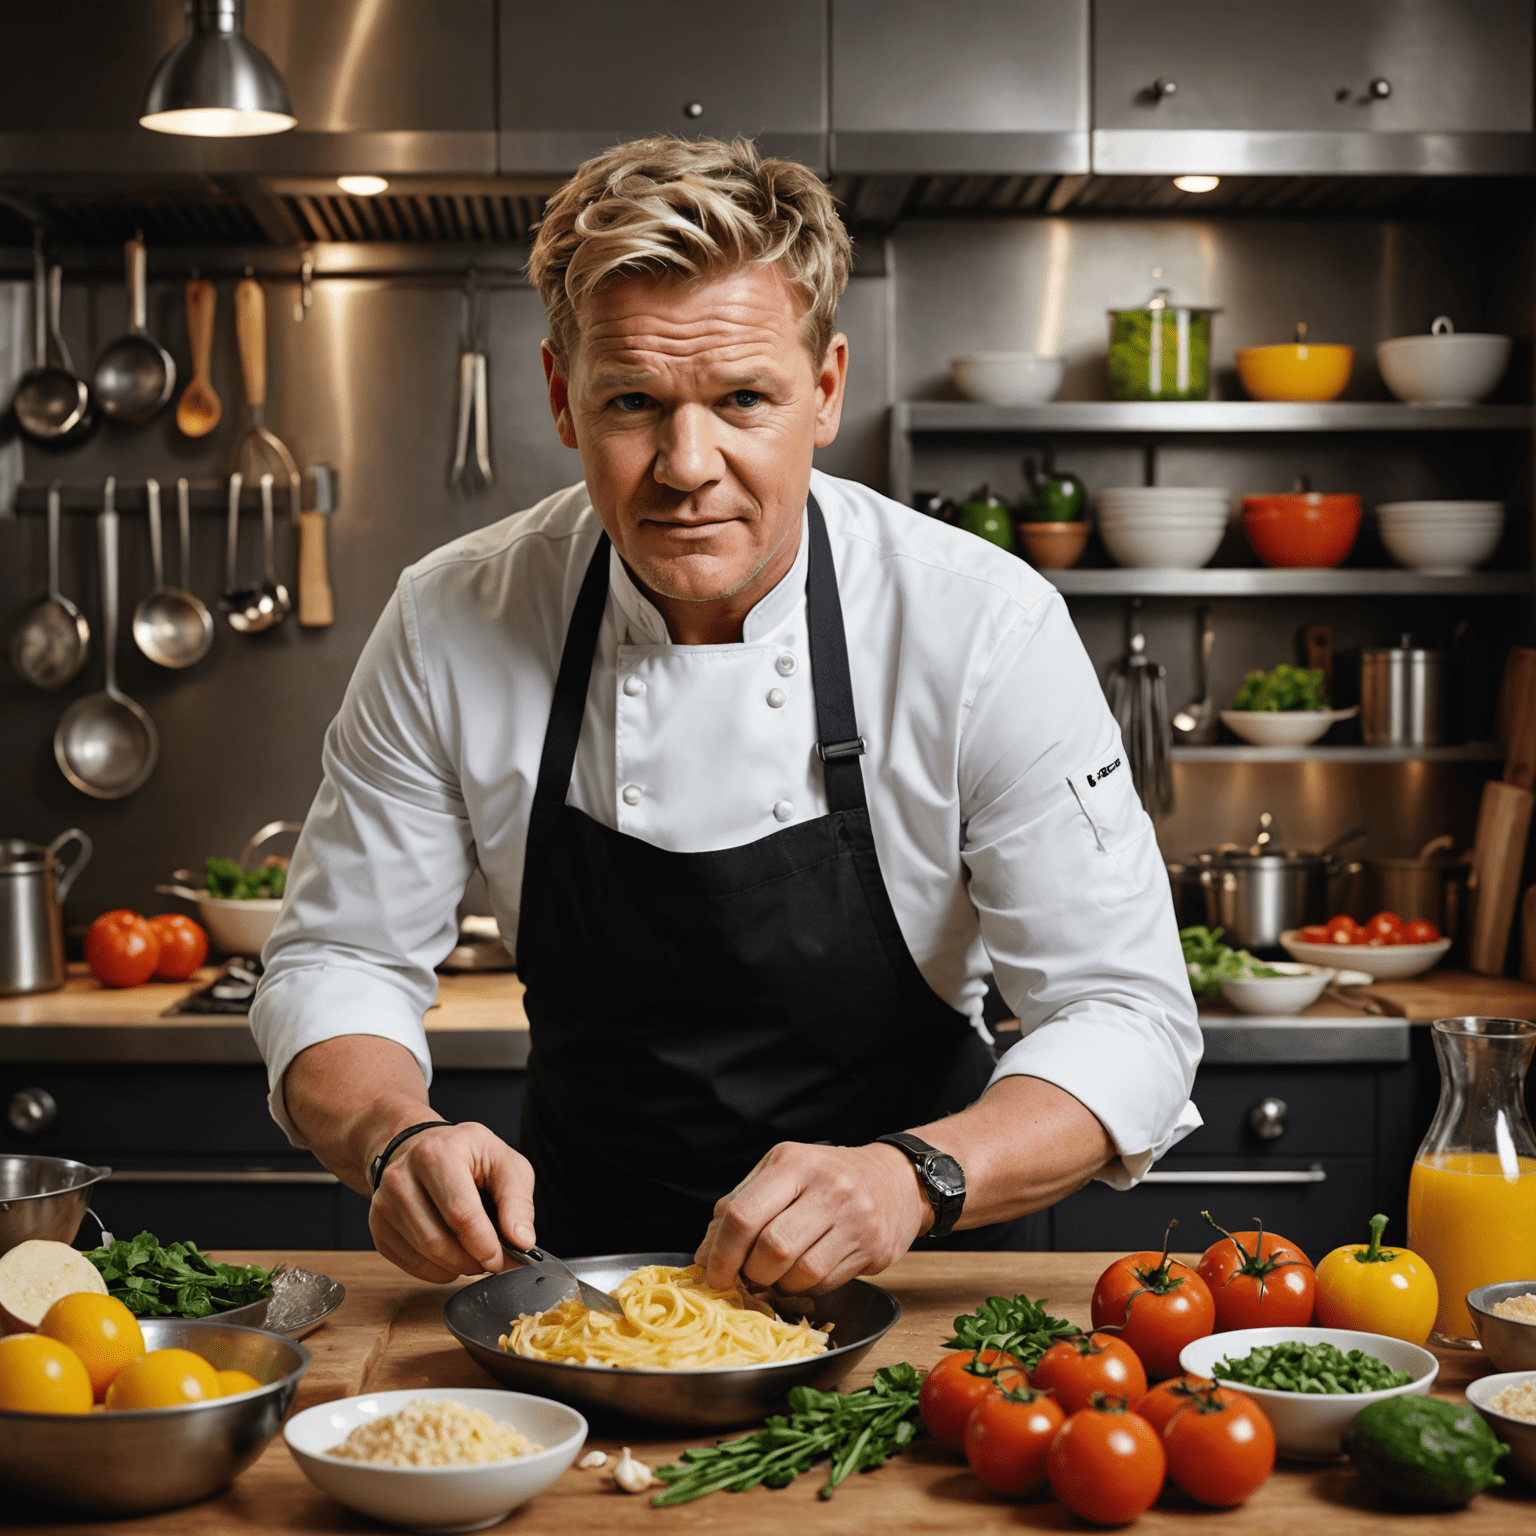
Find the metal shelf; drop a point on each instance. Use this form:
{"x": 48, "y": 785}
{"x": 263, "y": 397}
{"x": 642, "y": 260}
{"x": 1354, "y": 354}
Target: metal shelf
{"x": 1244, "y": 581}
{"x": 1182, "y": 416}
{"x": 1471, "y": 752}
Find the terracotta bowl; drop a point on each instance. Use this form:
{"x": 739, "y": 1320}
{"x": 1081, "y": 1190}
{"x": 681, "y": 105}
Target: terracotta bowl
{"x": 1302, "y": 528}
{"x": 1053, "y": 546}
{"x": 1296, "y": 371}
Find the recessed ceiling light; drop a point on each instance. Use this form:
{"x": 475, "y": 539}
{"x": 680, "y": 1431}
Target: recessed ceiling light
{"x": 1197, "y": 183}
{"x": 214, "y": 84}
{"x": 362, "y": 186}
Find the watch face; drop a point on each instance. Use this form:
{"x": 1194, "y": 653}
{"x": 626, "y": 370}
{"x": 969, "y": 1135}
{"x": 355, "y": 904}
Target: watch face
{"x": 945, "y": 1173}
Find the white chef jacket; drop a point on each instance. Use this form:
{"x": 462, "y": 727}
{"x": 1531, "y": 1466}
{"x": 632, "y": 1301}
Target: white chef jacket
{"x": 1009, "y": 833}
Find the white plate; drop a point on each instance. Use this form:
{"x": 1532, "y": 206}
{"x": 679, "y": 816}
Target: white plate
{"x": 1309, "y": 1426}
{"x": 1383, "y": 962}
{"x": 1283, "y": 727}
{"x": 1296, "y": 987}
{"x": 437, "y": 1499}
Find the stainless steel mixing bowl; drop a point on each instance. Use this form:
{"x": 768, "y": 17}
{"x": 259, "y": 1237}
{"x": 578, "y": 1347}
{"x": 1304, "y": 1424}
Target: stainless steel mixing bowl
{"x": 1508, "y": 1343}
{"x": 481, "y": 1313}
{"x": 44, "y": 1197}
{"x": 129, "y": 1463}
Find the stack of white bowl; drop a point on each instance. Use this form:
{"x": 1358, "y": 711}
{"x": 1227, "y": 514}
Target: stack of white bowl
{"x": 1447, "y": 538}
{"x": 1162, "y": 526}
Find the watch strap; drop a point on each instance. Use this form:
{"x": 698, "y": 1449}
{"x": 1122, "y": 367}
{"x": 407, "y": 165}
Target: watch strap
{"x": 376, "y": 1168}
{"x": 947, "y": 1206}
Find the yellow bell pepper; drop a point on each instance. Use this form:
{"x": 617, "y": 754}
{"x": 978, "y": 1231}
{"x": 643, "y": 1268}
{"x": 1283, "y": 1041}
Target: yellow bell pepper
{"x": 1377, "y": 1290}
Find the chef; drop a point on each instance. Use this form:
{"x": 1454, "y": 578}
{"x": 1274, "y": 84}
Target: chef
{"x": 765, "y": 774}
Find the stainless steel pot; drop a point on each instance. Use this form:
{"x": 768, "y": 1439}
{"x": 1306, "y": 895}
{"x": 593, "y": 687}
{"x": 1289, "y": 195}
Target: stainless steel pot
{"x": 1402, "y": 696}
{"x": 1425, "y": 886}
{"x": 43, "y": 1197}
{"x": 33, "y": 885}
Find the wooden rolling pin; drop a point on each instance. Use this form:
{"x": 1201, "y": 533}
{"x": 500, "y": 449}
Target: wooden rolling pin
{"x": 1498, "y": 854}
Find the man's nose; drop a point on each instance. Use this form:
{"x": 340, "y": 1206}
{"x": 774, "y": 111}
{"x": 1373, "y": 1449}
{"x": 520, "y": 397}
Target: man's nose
{"x": 687, "y": 454}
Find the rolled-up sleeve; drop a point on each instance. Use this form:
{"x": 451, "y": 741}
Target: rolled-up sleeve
{"x": 1072, "y": 895}
{"x": 378, "y": 872}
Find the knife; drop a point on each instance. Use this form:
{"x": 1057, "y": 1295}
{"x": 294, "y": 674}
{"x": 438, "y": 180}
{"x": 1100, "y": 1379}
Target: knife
{"x": 548, "y": 1268}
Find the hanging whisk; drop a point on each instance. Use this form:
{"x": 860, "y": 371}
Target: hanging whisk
{"x": 1137, "y": 690}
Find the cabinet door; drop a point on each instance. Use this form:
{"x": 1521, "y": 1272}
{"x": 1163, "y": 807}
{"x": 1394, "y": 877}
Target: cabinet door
{"x": 586, "y": 74}
{"x": 973, "y": 85}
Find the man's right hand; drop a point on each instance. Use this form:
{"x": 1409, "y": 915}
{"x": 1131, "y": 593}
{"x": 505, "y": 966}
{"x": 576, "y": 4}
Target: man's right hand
{"x": 426, "y": 1215}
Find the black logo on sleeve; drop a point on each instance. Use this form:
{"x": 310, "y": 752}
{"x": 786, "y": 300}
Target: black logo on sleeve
{"x": 1102, "y": 774}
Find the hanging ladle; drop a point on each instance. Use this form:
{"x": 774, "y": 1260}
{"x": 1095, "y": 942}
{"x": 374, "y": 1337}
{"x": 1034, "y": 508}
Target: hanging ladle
{"x": 135, "y": 375}
{"x": 53, "y": 640}
{"x": 252, "y": 609}
{"x": 171, "y": 625}
{"x": 52, "y": 404}
{"x": 106, "y": 745}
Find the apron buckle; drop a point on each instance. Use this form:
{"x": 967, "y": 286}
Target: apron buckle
{"x": 838, "y": 750}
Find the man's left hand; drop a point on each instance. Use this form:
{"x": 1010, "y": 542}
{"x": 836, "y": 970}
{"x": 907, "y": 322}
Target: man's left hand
{"x": 809, "y": 1218}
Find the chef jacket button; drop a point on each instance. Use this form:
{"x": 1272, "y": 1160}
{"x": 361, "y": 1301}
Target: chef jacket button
{"x": 777, "y": 698}
{"x": 631, "y": 794}
{"x": 786, "y": 664}
{"x": 783, "y": 810}
{"x": 634, "y": 685}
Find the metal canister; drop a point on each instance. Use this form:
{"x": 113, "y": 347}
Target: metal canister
{"x": 33, "y": 885}
{"x": 1402, "y": 696}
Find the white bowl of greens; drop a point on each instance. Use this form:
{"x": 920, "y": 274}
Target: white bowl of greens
{"x": 1287, "y": 988}
{"x": 1285, "y": 707}
{"x": 1211, "y": 963}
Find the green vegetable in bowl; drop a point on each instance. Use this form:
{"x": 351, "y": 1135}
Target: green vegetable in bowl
{"x": 1418, "y": 1450}
{"x": 1286, "y": 687}
{"x": 177, "y": 1280}
{"x": 1210, "y": 962}
{"x": 223, "y": 877}
{"x": 1320, "y": 1369}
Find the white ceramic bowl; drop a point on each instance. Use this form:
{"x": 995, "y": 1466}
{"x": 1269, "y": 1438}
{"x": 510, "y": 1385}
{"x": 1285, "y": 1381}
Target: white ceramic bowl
{"x": 1441, "y": 551}
{"x": 443, "y": 1499}
{"x": 1283, "y": 727}
{"x": 1163, "y": 522}
{"x": 1177, "y": 548}
{"x": 1295, "y": 988}
{"x": 237, "y": 927}
{"x": 1309, "y": 1426}
{"x": 1518, "y": 1434}
{"x": 1382, "y": 962}
{"x": 1453, "y": 369}
{"x": 1007, "y": 378}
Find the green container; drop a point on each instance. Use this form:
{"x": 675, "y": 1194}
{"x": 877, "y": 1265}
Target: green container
{"x": 1160, "y": 352}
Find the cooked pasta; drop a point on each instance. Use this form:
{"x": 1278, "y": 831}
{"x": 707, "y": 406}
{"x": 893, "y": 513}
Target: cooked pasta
{"x": 671, "y": 1321}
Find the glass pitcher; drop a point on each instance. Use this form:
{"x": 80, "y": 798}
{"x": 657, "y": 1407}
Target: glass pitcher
{"x": 1472, "y": 1192}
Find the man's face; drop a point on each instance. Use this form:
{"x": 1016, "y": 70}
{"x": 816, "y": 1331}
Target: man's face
{"x": 696, "y": 408}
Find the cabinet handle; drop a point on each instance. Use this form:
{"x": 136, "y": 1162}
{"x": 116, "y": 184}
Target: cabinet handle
{"x": 1313, "y": 1175}
{"x": 219, "y": 1176}
{"x": 1267, "y": 1118}
{"x": 693, "y": 109}
{"x": 1162, "y": 87}
{"x": 31, "y": 1111}
{"x": 1379, "y": 89}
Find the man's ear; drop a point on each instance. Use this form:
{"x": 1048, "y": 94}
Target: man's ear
{"x": 831, "y": 381}
{"x": 559, "y": 396}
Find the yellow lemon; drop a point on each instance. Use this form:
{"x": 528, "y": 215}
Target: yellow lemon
{"x": 231, "y": 1382}
{"x": 164, "y": 1378}
{"x": 39, "y": 1375}
{"x": 100, "y": 1329}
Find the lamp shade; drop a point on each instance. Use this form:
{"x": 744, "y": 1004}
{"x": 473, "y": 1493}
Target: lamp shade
{"x": 215, "y": 83}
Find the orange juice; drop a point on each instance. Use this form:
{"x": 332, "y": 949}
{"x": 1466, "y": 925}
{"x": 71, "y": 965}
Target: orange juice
{"x": 1473, "y": 1224}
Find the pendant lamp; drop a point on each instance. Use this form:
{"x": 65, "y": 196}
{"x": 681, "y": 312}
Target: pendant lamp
{"x": 215, "y": 83}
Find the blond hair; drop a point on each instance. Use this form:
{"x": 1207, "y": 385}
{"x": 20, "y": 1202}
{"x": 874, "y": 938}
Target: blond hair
{"x": 695, "y": 209}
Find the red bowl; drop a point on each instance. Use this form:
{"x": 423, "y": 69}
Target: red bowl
{"x": 1302, "y": 527}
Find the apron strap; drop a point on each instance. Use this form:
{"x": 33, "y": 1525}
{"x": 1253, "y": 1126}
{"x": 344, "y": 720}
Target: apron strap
{"x": 838, "y": 743}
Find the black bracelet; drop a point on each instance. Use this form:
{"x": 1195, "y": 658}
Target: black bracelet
{"x": 376, "y": 1169}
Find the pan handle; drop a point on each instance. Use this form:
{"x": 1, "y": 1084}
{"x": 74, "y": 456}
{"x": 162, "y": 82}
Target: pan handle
{"x": 184, "y": 891}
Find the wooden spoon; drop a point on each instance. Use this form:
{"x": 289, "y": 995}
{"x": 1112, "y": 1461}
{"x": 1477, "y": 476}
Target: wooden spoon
{"x": 199, "y": 410}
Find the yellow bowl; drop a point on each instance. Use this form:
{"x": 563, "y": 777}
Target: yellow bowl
{"x": 1296, "y": 371}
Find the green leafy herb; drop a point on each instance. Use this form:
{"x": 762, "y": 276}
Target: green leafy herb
{"x": 225, "y": 878}
{"x": 1021, "y": 1328}
{"x": 1285, "y": 688}
{"x": 1210, "y": 962}
{"x": 176, "y": 1281}
{"x": 859, "y": 1431}
{"x": 1318, "y": 1368}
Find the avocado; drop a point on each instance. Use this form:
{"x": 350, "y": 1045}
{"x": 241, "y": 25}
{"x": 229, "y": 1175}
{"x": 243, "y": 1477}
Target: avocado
{"x": 1418, "y": 1450}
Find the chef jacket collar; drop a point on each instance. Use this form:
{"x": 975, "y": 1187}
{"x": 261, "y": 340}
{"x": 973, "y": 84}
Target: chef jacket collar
{"x": 647, "y": 627}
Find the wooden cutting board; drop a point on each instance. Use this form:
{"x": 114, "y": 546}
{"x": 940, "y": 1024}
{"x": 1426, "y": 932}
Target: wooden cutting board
{"x": 1498, "y": 856}
{"x": 1452, "y": 994}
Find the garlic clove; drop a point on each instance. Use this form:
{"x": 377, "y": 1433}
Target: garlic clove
{"x": 593, "y": 1459}
{"x": 631, "y": 1475}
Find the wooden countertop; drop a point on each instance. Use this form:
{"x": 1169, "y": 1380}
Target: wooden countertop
{"x": 388, "y": 1335}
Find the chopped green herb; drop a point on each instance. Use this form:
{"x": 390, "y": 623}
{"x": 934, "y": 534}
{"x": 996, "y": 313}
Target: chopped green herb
{"x": 1210, "y": 962}
{"x": 859, "y": 1431}
{"x": 1021, "y": 1328}
{"x": 1317, "y": 1368}
{"x": 1286, "y": 687}
{"x": 225, "y": 878}
{"x": 176, "y": 1281}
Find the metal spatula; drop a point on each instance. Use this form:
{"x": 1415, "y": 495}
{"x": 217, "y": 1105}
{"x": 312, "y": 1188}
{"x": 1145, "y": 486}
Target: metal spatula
{"x": 548, "y": 1268}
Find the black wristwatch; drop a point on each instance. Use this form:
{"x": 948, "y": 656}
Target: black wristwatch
{"x": 942, "y": 1177}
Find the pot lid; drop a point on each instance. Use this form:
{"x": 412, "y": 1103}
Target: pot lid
{"x": 1241, "y": 858}
{"x": 1162, "y": 298}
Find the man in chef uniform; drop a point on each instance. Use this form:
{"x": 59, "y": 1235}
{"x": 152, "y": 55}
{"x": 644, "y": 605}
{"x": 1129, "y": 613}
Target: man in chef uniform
{"x": 765, "y": 773}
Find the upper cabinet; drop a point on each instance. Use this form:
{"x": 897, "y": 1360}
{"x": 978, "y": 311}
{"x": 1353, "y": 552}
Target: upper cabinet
{"x": 920, "y": 86}
{"x": 581, "y": 75}
{"x": 1264, "y": 87}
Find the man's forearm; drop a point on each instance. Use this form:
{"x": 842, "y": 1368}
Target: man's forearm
{"x": 1024, "y": 1145}
{"x": 349, "y": 1095}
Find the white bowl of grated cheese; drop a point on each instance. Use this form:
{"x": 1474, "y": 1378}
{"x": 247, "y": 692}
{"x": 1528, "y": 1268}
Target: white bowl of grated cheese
{"x": 435, "y": 1474}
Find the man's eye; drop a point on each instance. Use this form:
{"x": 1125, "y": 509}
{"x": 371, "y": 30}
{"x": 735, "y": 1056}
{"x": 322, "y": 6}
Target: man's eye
{"x": 745, "y": 399}
{"x": 635, "y": 401}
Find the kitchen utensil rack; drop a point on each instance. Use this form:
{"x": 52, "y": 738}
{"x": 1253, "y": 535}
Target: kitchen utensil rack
{"x": 1470, "y": 752}
{"x": 84, "y": 496}
{"x": 1262, "y": 581}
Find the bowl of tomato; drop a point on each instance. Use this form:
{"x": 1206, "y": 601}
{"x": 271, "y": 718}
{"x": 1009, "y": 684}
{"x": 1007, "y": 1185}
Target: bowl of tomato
{"x": 1385, "y": 947}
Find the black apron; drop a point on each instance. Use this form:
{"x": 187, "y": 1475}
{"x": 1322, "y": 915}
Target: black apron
{"x": 690, "y": 1010}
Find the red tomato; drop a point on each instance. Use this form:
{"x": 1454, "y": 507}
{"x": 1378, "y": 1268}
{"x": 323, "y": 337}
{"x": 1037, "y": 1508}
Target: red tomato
{"x": 952, "y": 1390}
{"x": 1157, "y": 1304}
{"x": 1008, "y": 1438}
{"x": 1107, "y": 1465}
{"x": 1221, "y": 1449}
{"x": 1343, "y": 929}
{"x": 1385, "y": 927}
{"x": 183, "y": 946}
{"x": 1168, "y": 1398}
{"x": 1420, "y": 931}
{"x": 1258, "y": 1280}
{"x": 1314, "y": 933}
{"x": 121, "y": 949}
{"x": 1077, "y": 1368}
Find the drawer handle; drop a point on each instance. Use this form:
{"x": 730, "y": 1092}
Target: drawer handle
{"x": 1268, "y": 1117}
{"x": 31, "y": 1111}
{"x": 1313, "y": 1175}
{"x": 218, "y": 1176}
